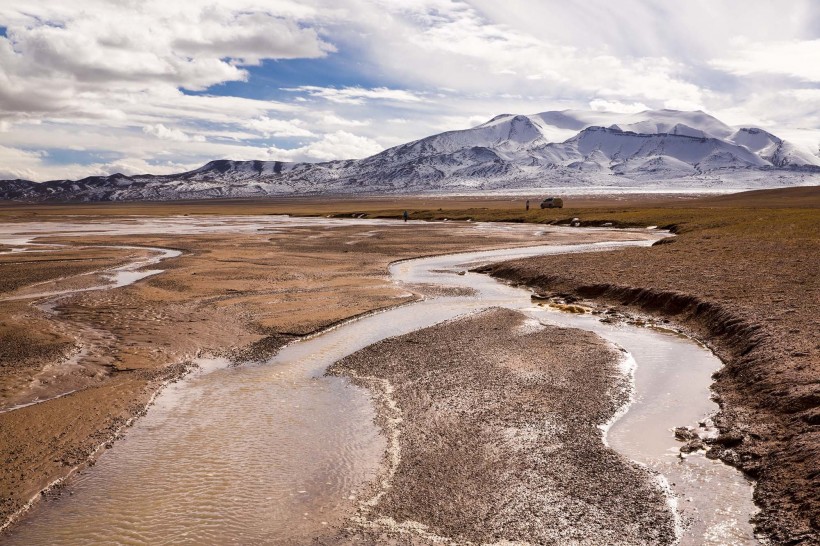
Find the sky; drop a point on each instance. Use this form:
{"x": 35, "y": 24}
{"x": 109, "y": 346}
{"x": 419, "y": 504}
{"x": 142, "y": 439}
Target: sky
{"x": 94, "y": 87}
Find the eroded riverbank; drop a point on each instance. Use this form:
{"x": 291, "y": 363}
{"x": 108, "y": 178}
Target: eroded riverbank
{"x": 750, "y": 292}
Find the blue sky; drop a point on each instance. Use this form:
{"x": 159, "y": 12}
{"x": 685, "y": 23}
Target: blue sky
{"x": 97, "y": 87}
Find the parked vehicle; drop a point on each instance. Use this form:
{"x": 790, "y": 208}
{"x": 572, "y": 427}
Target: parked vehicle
{"x": 552, "y": 203}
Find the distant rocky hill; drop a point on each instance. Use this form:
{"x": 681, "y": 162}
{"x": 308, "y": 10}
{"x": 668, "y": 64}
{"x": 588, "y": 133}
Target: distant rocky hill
{"x": 567, "y": 150}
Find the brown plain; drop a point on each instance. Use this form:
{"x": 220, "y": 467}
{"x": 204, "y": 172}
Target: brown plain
{"x": 741, "y": 276}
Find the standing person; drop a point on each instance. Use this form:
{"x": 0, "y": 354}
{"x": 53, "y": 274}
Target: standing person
{"x": 528, "y": 204}
{"x": 404, "y": 216}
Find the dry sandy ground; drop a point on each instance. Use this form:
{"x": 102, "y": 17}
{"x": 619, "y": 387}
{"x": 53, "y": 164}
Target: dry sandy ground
{"x": 243, "y": 295}
{"x": 496, "y": 439}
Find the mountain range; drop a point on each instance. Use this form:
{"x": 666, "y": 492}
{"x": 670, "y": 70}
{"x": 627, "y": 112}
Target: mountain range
{"x": 570, "y": 150}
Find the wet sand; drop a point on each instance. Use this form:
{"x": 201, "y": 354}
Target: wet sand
{"x": 497, "y": 438}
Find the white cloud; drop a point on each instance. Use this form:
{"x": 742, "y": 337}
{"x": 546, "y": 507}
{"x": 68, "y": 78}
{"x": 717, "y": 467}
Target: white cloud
{"x": 329, "y": 118}
{"x": 15, "y": 163}
{"x": 357, "y": 95}
{"x": 164, "y": 133}
{"x": 278, "y": 127}
{"x": 804, "y": 95}
{"x": 453, "y": 44}
{"x": 250, "y": 37}
{"x": 795, "y": 58}
{"x": 338, "y": 145}
{"x": 683, "y": 104}
{"x": 185, "y": 44}
{"x": 98, "y": 59}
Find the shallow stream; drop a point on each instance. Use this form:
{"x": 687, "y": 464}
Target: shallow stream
{"x": 275, "y": 452}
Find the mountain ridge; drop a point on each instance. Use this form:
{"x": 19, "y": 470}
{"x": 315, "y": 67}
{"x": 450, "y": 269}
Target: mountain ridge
{"x": 654, "y": 150}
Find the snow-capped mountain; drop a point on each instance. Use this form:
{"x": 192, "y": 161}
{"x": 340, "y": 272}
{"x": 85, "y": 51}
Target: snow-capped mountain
{"x": 571, "y": 150}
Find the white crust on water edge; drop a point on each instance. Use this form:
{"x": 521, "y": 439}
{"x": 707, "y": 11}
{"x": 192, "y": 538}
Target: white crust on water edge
{"x": 381, "y": 391}
{"x": 627, "y": 366}
{"x": 391, "y": 415}
{"x": 672, "y": 502}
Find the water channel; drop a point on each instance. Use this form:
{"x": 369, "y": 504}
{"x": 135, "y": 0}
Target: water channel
{"x": 274, "y": 452}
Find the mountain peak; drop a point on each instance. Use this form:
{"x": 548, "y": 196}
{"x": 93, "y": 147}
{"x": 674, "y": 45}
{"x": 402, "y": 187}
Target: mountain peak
{"x": 578, "y": 148}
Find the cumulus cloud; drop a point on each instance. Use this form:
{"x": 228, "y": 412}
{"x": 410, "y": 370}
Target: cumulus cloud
{"x": 99, "y": 58}
{"x": 185, "y": 44}
{"x": 250, "y": 37}
{"x": 278, "y": 127}
{"x": 16, "y": 163}
{"x": 141, "y": 83}
{"x": 329, "y": 118}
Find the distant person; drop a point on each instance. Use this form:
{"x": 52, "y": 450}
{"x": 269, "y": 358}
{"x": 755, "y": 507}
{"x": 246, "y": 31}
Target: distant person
{"x": 528, "y": 204}
{"x": 405, "y": 216}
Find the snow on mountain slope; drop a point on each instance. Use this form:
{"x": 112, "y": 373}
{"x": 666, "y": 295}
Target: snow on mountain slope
{"x": 771, "y": 148}
{"x": 239, "y": 169}
{"x": 661, "y": 166}
{"x": 756, "y": 140}
{"x": 788, "y": 154}
{"x": 697, "y": 124}
{"x": 571, "y": 149}
{"x": 702, "y": 153}
{"x": 506, "y": 133}
{"x": 649, "y": 122}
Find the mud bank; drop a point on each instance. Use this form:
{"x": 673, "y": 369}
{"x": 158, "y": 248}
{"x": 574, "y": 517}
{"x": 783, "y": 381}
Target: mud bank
{"x": 498, "y": 439}
{"x": 41, "y": 462}
{"x": 758, "y": 319}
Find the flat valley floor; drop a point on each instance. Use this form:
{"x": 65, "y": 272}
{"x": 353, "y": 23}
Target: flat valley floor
{"x": 740, "y": 276}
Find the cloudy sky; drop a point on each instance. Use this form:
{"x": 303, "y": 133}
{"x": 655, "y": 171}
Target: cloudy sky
{"x": 134, "y": 86}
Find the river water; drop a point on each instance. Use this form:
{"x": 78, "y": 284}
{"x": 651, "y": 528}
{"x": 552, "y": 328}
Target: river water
{"x": 276, "y": 452}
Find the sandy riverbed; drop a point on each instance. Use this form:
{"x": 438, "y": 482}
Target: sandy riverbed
{"x": 241, "y": 291}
